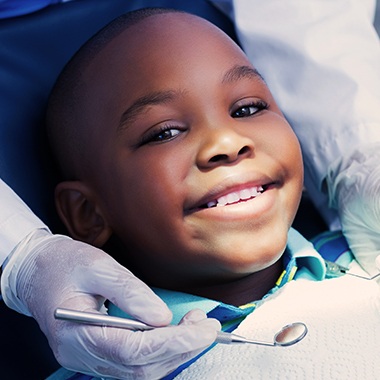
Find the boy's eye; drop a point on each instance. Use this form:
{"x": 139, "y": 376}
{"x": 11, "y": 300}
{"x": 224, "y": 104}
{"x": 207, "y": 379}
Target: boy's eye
{"x": 249, "y": 109}
{"x": 165, "y": 133}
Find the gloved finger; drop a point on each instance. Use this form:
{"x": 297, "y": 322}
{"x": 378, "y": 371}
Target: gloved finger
{"x": 152, "y": 371}
{"x": 148, "y": 371}
{"x": 193, "y": 316}
{"x": 122, "y": 288}
{"x": 196, "y": 316}
{"x": 111, "y": 352}
{"x": 162, "y": 343}
{"x": 354, "y": 184}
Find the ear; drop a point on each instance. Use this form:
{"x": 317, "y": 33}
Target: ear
{"x": 78, "y": 209}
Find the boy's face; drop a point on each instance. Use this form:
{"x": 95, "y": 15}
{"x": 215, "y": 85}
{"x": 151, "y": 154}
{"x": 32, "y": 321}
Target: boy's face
{"x": 184, "y": 134}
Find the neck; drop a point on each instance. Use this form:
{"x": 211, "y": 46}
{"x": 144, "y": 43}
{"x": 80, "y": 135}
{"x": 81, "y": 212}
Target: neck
{"x": 234, "y": 292}
{"x": 243, "y": 290}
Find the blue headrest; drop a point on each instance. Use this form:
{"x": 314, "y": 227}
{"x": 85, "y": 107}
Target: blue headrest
{"x": 33, "y": 50}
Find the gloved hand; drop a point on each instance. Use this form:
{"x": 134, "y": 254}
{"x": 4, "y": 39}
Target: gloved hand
{"x": 61, "y": 272}
{"x": 354, "y": 189}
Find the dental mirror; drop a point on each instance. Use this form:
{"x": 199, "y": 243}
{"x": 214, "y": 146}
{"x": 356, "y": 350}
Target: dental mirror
{"x": 287, "y": 336}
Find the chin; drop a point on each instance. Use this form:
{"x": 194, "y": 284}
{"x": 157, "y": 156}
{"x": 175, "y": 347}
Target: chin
{"x": 256, "y": 254}
{"x": 246, "y": 264}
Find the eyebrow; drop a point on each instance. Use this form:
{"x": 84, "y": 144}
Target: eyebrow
{"x": 162, "y": 97}
{"x": 153, "y": 98}
{"x": 239, "y": 72}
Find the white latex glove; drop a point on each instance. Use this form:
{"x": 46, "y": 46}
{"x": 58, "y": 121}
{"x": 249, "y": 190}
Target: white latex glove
{"x": 60, "y": 272}
{"x": 354, "y": 189}
{"x": 377, "y": 302}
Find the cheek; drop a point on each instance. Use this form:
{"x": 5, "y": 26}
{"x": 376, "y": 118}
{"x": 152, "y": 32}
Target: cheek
{"x": 160, "y": 176}
{"x": 147, "y": 187}
{"x": 295, "y": 160}
{"x": 284, "y": 146}
{"x": 283, "y": 138}
{"x": 292, "y": 158}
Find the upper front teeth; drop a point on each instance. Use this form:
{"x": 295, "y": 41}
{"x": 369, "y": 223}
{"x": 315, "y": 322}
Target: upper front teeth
{"x": 236, "y": 196}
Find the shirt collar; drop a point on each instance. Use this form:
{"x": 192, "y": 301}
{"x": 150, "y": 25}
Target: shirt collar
{"x": 310, "y": 264}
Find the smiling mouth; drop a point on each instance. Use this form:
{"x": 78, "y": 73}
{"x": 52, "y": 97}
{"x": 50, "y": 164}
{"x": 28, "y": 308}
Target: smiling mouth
{"x": 235, "y": 197}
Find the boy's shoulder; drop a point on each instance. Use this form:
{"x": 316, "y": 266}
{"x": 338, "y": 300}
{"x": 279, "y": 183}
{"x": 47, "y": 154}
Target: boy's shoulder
{"x": 332, "y": 245}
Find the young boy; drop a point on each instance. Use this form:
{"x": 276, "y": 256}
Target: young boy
{"x": 177, "y": 161}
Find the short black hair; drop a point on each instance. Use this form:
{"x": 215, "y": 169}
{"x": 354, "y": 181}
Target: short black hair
{"x": 62, "y": 118}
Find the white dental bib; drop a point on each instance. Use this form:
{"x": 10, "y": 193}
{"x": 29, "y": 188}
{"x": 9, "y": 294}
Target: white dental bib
{"x": 343, "y": 342}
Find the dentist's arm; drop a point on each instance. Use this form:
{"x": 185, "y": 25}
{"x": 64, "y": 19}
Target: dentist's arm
{"x": 45, "y": 271}
{"x": 321, "y": 60}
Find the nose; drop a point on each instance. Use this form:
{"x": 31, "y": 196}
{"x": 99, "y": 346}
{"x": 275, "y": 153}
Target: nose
{"x": 223, "y": 146}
